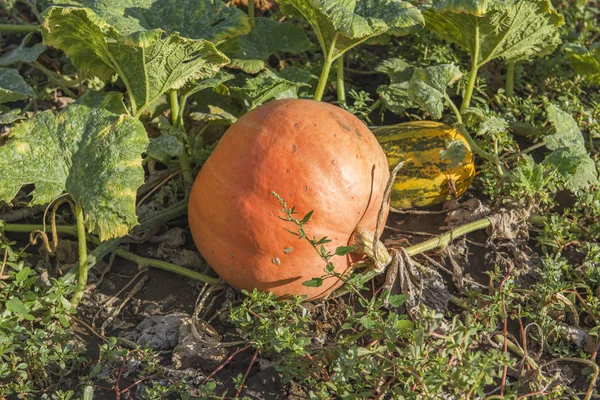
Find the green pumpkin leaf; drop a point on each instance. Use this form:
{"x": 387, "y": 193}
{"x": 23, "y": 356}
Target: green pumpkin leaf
{"x": 8, "y": 116}
{"x": 13, "y": 87}
{"x": 91, "y": 153}
{"x": 454, "y": 153}
{"x": 395, "y": 95}
{"x": 586, "y": 62}
{"x": 512, "y": 30}
{"x": 111, "y": 101}
{"x": 267, "y": 86}
{"x": 250, "y": 51}
{"x": 427, "y": 87}
{"x": 577, "y": 169}
{"x": 566, "y": 132}
{"x": 342, "y": 24}
{"x": 296, "y": 74}
{"x": 207, "y": 83}
{"x": 22, "y": 54}
{"x": 215, "y": 115}
{"x": 164, "y": 147}
{"x": 569, "y": 156}
{"x": 195, "y": 19}
{"x": 149, "y": 62}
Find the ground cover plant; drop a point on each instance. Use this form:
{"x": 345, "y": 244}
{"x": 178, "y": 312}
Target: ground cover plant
{"x": 483, "y": 282}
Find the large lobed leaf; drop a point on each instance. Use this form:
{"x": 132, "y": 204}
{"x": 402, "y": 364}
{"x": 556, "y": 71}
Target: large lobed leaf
{"x": 22, "y": 54}
{"x": 194, "y": 19}
{"x": 149, "y": 62}
{"x": 250, "y": 51}
{"x": 267, "y": 86}
{"x": 569, "y": 156}
{"x": 512, "y": 30}
{"x": 395, "y": 95}
{"x": 342, "y": 24}
{"x": 91, "y": 153}
{"x": 586, "y": 62}
{"x": 427, "y": 87}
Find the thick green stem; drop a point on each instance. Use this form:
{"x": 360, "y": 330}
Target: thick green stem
{"x": 325, "y": 72}
{"x": 82, "y": 246}
{"x": 28, "y": 228}
{"x": 375, "y": 105}
{"x": 341, "y": 89}
{"x": 446, "y": 238}
{"x": 183, "y": 158}
{"x": 510, "y": 79}
{"x": 251, "y": 13}
{"x": 14, "y": 28}
{"x": 322, "y": 80}
{"x": 149, "y": 262}
{"x": 479, "y": 151}
{"x": 54, "y": 78}
{"x": 473, "y": 74}
{"x": 174, "y": 106}
{"x": 84, "y": 266}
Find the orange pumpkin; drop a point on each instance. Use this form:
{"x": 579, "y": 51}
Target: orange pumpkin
{"x": 314, "y": 155}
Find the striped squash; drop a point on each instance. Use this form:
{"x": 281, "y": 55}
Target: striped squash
{"x": 427, "y": 176}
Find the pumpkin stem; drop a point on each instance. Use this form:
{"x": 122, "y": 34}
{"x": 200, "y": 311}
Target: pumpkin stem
{"x": 385, "y": 203}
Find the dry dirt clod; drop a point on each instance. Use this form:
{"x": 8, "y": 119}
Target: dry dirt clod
{"x": 469, "y": 211}
{"x": 159, "y": 332}
{"x": 197, "y": 346}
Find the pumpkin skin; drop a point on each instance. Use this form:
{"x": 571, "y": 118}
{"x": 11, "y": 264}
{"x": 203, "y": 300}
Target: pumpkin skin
{"x": 316, "y": 157}
{"x": 423, "y": 180}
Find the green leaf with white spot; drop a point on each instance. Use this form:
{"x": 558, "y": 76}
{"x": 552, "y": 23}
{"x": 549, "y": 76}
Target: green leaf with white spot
{"x": 586, "y": 62}
{"x": 250, "y": 51}
{"x": 90, "y": 153}
{"x": 512, "y": 30}
{"x": 342, "y": 24}
{"x": 150, "y": 62}
{"x": 427, "y": 87}
{"x": 22, "y": 54}
{"x": 13, "y": 87}
{"x": 195, "y": 19}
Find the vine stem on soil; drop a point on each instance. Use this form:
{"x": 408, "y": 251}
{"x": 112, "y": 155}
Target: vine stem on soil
{"x": 111, "y": 245}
